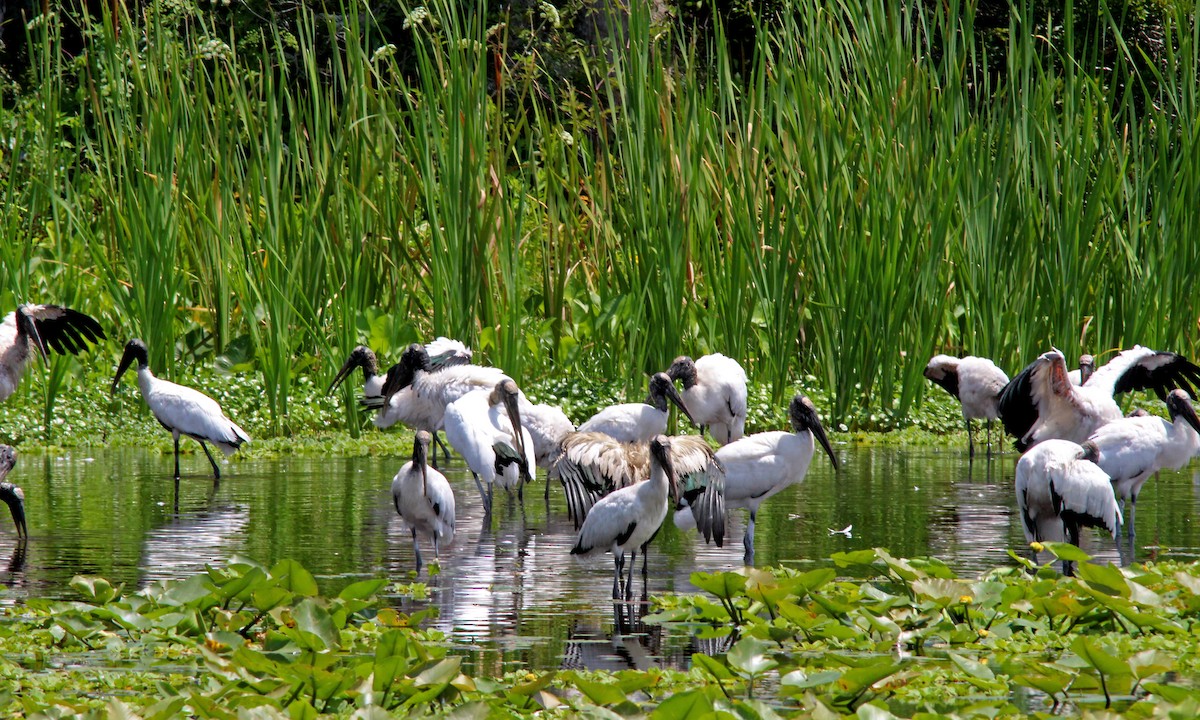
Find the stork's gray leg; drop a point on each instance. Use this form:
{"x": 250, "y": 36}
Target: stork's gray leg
{"x": 1132, "y": 514}
{"x": 176, "y": 457}
{"x": 970, "y": 439}
{"x": 487, "y": 498}
{"x": 629, "y": 578}
{"x": 445, "y": 450}
{"x": 216, "y": 470}
{"x": 618, "y": 557}
{"x": 1068, "y": 568}
{"x": 748, "y": 541}
{"x": 989, "y": 439}
{"x": 417, "y": 550}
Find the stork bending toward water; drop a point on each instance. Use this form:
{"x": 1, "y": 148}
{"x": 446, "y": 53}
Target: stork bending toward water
{"x": 181, "y": 410}
{"x": 976, "y": 383}
{"x": 485, "y": 428}
{"x": 714, "y": 393}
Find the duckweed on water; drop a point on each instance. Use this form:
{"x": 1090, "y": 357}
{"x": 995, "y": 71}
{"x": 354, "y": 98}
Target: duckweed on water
{"x": 862, "y": 634}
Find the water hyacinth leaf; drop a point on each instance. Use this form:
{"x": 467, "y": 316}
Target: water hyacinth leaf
{"x": 687, "y": 705}
{"x": 1173, "y": 693}
{"x": 749, "y": 656}
{"x": 1190, "y": 582}
{"x": 600, "y": 693}
{"x": 1149, "y": 663}
{"x": 712, "y": 666}
{"x": 313, "y": 619}
{"x": 440, "y": 673}
{"x": 815, "y": 579}
{"x": 302, "y": 710}
{"x": 95, "y": 589}
{"x": 801, "y": 680}
{"x": 856, "y": 680}
{"x": 1106, "y": 578}
{"x": 1098, "y": 658}
{"x": 724, "y": 585}
{"x": 854, "y": 558}
{"x": 944, "y": 592}
{"x": 971, "y": 666}
{"x": 362, "y": 589}
{"x": 873, "y": 712}
{"x": 291, "y": 575}
{"x": 536, "y": 685}
{"x": 188, "y": 592}
{"x": 1067, "y": 551}
{"x": 901, "y": 567}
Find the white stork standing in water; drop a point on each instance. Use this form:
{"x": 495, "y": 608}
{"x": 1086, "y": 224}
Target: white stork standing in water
{"x": 593, "y": 465}
{"x": 403, "y": 407}
{"x": 1041, "y": 402}
{"x": 424, "y": 500}
{"x": 181, "y": 409}
{"x": 1131, "y": 449}
{"x": 485, "y": 428}
{"x": 627, "y": 519}
{"x": 761, "y": 465}
{"x": 976, "y": 383}
{"x": 40, "y": 328}
{"x": 638, "y": 422}
{"x": 1059, "y": 491}
{"x": 12, "y": 495}
{"x": 714, "y": 392}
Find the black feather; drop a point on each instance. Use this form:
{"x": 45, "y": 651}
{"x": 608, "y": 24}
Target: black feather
{"x": 1017, "y": 409}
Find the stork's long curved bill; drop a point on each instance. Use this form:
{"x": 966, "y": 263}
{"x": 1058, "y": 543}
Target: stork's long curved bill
{"x": 18, "y": 515}
{"x": 1188, "y": 413}
{"x": 818, "y": 432}
{"x": 126, "y": 361}
{"x": 674, "y": 396}
{"x": 514, "y": 416}
{"x": 353, "y": 362}
{"x": 34, "y": 337}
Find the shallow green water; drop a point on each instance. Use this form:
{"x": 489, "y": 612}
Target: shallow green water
{"x": 511, "y": 595}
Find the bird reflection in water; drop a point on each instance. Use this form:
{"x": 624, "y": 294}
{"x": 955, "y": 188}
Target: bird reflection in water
{"x": 631, "y": 645}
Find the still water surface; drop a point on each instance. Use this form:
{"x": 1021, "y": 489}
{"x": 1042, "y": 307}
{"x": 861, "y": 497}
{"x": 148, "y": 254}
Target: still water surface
{"x": 511, "y": 595}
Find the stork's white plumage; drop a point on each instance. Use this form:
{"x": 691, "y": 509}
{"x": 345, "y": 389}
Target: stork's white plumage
{"x": 423, "y": 497}
{"x": 1041, "y": 402}
{"x": 638, "y": 422}
{"x": 10, "y": 494}
{"x": 761, "y": 465}
{"x": 484, "y": 426}
{"x": 626, "y": 520}
{"x": 1059, "y": 491}
{"x": 438, "y": 388}
{"x": 977, "y": 383}
{"x": 714, "y": 392}
{"x": 40, "y": 328}
{"x": 548, "y": 425}
{"x": 181, "y": 409}
{"x": 593, "y": 465}
{"x": 1129, "y": 450}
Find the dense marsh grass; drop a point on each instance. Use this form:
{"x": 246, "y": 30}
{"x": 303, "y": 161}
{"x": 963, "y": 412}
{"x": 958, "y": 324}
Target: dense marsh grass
{"x": 867, "y": 195}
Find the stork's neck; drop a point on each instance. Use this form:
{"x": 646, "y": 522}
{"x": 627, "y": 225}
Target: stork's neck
{"x": 655, "y": 490}
{"x": 145, "y": 379}
{"x": 1184, "y": 443}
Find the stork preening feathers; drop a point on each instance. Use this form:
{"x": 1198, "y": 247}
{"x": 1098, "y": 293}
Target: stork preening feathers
{"x": 761, "y": 465}
{"x": 181, "y": 410}
{"x": 1129, "y": 450}
{"x": 40, "y": 329}
{"x": 424, "y": 500}
{"x": 1042, "y": 403}
{"x": 976, "y": 383}
{"x": 484, "y": 426}
{"x": 12, "y": 495}
{"x": 1060, "y": 490}
{"x": 714, "y": 393}
{"x": 626, "y": 520}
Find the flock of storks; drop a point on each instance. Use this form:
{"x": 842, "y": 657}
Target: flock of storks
{"x": 622, "y": 475}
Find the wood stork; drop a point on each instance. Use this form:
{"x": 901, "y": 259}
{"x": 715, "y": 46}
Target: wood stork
{"x": 12, "y": 495}
{"x": 1087, "y": 366}
{"x": 761, "y": 465}
{"x": 638, "y": 422}
{"x": 485, "y": 428}
{"x": 1059, "y": 491}
{"x": 403, "y": 407}
{"x": 432, "y": 390}
{"x": 548, "y": 426}
{"x": 1131, "y": 449}
{"x": 714, "y": 392}
{"x": 41, "y": 328}
{"x": 1041, "y": 402}
{"x": 424, "y": 499}
{"x": 976, "y": 383}
{"x": 627, "y": 519}
{"x": 181, "y": 409}
{"x": 594, "y": 465}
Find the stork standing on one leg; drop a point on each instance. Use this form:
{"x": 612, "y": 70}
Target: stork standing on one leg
{"x": 181, "y": 410}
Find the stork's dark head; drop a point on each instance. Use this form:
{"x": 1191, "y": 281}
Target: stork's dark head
{"x": 683, "y": 369}
{"x": 1091, "y": 452}
{"x": 415, "y": 359}
{"x": 1179, "y": 404}
{"x": 135, "y": 350}
{"x": 804, "y": 418}
{"x": 1087, "y": 366}
{"x": 12, "y": 495}
{"x": 360, "y": 357}
{"x": 507, "y": 394}
{"x": 660, "y": 455}
{"x": 662, "y": 390}
{"x": 27, "y": 328}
